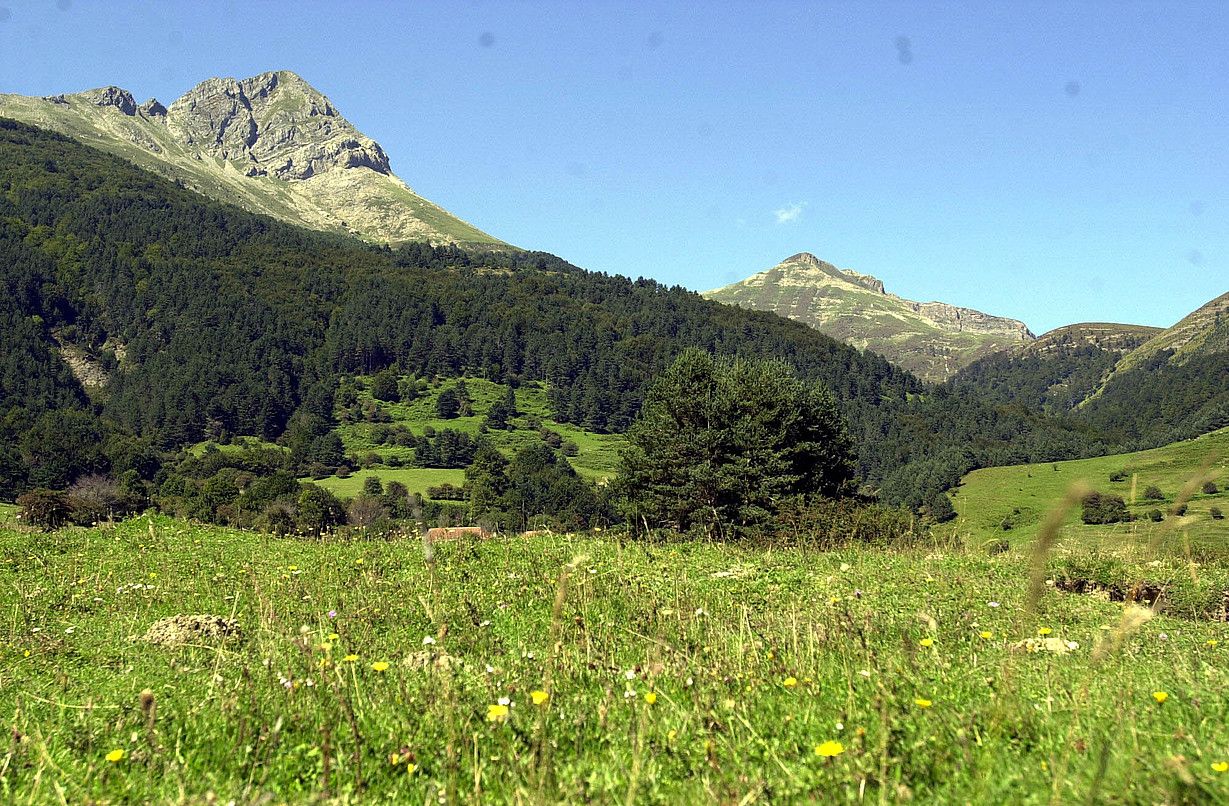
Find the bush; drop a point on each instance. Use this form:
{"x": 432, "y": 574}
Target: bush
{"x": 1155, "y": 515}
{"x": 373, "y": 486}
{"x": 1210, "y": 488}
{"x": 1153, "y": 493}
{"x": 46, "y": 509}
{"x": 1118, "y": 475}
{"x": 1180, "y": 510}
{"x": 1100, "y": 508}
{"x": 384, "y": 386}
{"x": 570, "y": 448}
{"x": 446, "y": 492}
{"x": 95, "y": 498}
{"x": 1216, "y": 514}
{"x": 831, "y": 523}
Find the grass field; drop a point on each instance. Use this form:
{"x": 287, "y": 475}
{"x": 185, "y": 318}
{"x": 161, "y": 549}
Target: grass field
{"x": 597, "y": 458}
{"x": 673, "y": 673}
{"x": 989, "y": 496}
{"x": 416, "y": 479}
{"x": 8, "y": 512}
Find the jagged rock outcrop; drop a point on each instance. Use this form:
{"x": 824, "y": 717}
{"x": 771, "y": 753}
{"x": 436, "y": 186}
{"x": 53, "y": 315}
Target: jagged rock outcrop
{"x": 271, "y": 143}
{"x": 274, "y": 123}
{"x": 931, "y": 339}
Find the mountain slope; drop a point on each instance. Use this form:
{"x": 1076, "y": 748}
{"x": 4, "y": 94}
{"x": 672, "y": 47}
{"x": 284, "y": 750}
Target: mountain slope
{"x": 271, "y": 144}
{"x": 931, "y": 339}
{"x": 1058, "y": 371}
{"x": 209, "y": 321}
{"x": 1173, "y": 386}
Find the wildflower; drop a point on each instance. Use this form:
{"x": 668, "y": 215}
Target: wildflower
{"x": 380, "y": 666}
{"x": 927, "y": 642}
{"x": 1220, "y": 766}
{"x": 496, "y": 713}
{"x": 351, "y": 658}
{"x": 428, "y": 641}
{"x": 829, "y": 749}
{"x": 922, "y": 703}
{"x": 1160, "y": 696}
{"x": 986, "y": 634}
{"x": 865, "y": 673}
{"x": 539, "y": 697}
{"x": 334, "y": 636}
{"x": 1044, "y": 631}
{"x": 993, "y": 604}
{"x": 789, "y": 682}
{"x": 1212, "y": 642}
{"x": 728, "y": 703}
{"x": 504, "y": 701}
{"x": 115, "y": 755}
{"x": 332, "y": 614}
{"x": 650, "y": 697}
{"x": 630, "y": 674}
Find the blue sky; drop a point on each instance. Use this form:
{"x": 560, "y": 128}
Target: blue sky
{"x": 1055, "y": 162}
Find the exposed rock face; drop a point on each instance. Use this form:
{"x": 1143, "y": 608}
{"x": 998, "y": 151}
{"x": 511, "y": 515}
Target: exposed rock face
{"x": 153, "y": 109}
{"x": 274, "y": 124}
{"x": 931, "y": 339}
{"x": 113, "y": 96}
{"x": 270, "y": 143}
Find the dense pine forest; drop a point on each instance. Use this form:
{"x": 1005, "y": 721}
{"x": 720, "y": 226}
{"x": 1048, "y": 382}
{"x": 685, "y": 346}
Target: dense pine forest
{"x": 207, "y": 321}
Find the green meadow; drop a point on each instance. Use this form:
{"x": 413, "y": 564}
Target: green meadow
{"x": 585, "y": 668}
{"x": 1021, "y": 495}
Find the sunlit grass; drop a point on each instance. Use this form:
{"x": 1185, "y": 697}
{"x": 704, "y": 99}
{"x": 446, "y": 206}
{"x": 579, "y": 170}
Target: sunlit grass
{"x": 684, "y": 672}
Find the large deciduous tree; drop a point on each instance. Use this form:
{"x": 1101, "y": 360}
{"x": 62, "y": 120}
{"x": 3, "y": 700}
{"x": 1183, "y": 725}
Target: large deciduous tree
{"x": 720, "y": 443}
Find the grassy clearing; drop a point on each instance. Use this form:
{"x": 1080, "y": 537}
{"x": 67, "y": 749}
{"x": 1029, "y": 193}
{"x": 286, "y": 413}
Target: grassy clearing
{"x": 989, "y": 496}
{"x": 8, "y": 513}
{"x": 416, "y": 479}
{"x": 753, "y": 658}
{"x": 598, "y": 455}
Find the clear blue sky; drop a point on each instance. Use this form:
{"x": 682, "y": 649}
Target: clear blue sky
{"x": 1055, "y": 162}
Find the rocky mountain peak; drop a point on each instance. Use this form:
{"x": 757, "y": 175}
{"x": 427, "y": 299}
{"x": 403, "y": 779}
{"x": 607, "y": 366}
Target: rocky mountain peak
{"x": 272, "y": 124}
{"x": 120, "y": 98}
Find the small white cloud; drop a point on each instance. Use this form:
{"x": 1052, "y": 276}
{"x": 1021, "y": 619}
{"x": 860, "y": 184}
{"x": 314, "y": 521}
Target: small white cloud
{"x": 789, "y": 213}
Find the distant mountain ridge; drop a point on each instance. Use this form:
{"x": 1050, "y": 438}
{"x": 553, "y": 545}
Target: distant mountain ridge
{"x": 931, "y": 339}
{"x": 271, "y": 144}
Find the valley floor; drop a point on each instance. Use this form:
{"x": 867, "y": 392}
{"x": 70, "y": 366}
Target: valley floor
{"x": 670, "y": 673}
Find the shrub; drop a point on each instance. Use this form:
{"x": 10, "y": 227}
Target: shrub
{"x": 1216, "y": 514}
{"x": 446, "y": 492}
{"x": 366, "y": 510}
{"x": 1210, "y": 488}
{"x": 95, "y": 498}
{"x": 1100, "y": 508}
{"x": 344, "y": 472}
{"x": 46, "y": 509}
{"x": 1153, "y": 493}
{"x": 373, "y": 486}
{"x": 1155, "y": 515}
{"x": 384, "y": 386}
{"x": 1180, "y": 510}
{"x": 1118, "y": 475}
{"x": 570, "y": 448}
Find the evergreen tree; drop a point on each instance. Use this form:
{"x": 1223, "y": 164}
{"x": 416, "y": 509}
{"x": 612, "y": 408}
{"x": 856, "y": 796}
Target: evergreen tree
{"x": 719, "y": 443}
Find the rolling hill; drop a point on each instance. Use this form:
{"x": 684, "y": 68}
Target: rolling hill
{"x": 271, "y": 144}
{"x": 931, "y": 339}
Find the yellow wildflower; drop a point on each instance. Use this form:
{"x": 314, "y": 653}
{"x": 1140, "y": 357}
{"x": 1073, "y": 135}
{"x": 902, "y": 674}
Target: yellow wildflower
{"x": 115, "y": 755}
{"x": 380, "y": 666}
{"x": 1044, "y": 631}
{"x": 333, "y": 636}
{"x": 789, "y": 682}
{"x": 1212, "y": 642}
{"x": 987, "y": 634}
{"x": 650, "y": 697}
{"x": 922, "y": 703}
{"x": 1220, "y": 766}
{"x": 350, "y": 658}
{"x": 928, "y": 642}
{"x": 539, "y": 697}
{"x": 496, "y": 713}
{"x": 829, "y": 749}
{"x": 1160, "y": 696}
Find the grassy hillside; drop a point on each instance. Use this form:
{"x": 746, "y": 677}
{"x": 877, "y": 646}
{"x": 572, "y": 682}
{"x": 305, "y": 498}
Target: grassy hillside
{"x": 598, "y": 454}
{"x": 8, "y": 512}
{"x": 932, "y": 340}
{"x": 415, "y": 479}
{"x": 675, "y": 673}
{"x": 1024, "y": 494}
